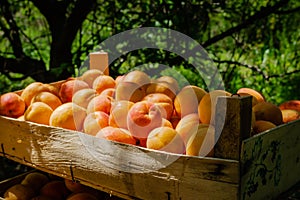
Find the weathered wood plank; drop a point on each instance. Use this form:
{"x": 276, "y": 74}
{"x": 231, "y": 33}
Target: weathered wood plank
{"x": 99, "y": 60}
{"x": 124, "y": 170}
{"x": 271, "y": 162}
{"x": 232, "y": 125}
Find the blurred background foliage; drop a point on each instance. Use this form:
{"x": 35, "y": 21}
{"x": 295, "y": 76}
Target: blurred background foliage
{"x": 253, "y": 43}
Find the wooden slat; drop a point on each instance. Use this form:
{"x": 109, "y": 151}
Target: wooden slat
{"x": 123, "y": 170}
{"x": 232, "y": 125}
{"x": 99, "y": 60}
{"x": 271, "y": 162}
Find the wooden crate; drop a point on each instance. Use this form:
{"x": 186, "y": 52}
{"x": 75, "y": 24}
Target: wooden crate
{"x": 259, "y": 167}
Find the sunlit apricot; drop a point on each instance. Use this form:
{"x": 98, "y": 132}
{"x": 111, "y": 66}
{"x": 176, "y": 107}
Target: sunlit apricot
{"x": 38, "y": 112}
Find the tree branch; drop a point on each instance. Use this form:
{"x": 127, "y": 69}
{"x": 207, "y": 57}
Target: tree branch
{"x": 24, "y": 65}
{"x": 75, "y": 20}
{"x": 12, "y": 33}
{"x": 264, "y": 12}
{"x": 257, "y": 69}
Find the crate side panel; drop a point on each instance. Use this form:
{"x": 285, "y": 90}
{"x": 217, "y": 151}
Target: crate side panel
{"x": 271, "y": 162}
{"x": 123, "y": 170}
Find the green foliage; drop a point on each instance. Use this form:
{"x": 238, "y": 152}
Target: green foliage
{"x": 263, "y": 55}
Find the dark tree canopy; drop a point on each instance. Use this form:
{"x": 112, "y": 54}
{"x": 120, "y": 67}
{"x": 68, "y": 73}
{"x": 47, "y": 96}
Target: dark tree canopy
{"x": 253, "y": 43}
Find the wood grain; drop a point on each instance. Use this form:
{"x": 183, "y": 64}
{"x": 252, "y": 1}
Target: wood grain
{"x": 122, "y": 170}
{"x": 271, "y": 162}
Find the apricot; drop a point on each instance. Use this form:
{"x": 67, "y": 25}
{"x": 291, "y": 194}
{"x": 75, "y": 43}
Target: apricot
{"x": 12, "y": 105}
{"x": 129, "y": 91}
{"x": 119, "y": 79}
{"x": 68, "y": 116}
{"x": 19, "y": 192}
{"x": 94, "y": 122}
{"x": 103, "y": 82}
{"x": 48, "y": 98}
{"x": 90, "y": 75}
{"x": 187, "y": 100}
{"x": 187, "y": 126}
{"x": 258, "y": 96}
{"x": 207, "y": 106}
{"x": 69, "y": 88}
{"x": 139, "y": 77}
{"x": 172, "y": 82}
{"x": 35, "y": 180}
{"x": 53, "y": 88}
{"x": 164, "y": 102}
{"x": 289, "y": 115}
{"x": 268, "y": 112}
{"x": 100, "y": 103}
{"x": 38, "y": 112}
{"x": 202, "y": 142}
{"x": 161, "y": 87}
{"x": 33, "y": 89}
{"x": 291, "y": 104}
{"x": 142, "y": 118}
{"x": 167, "y": 123}
{"x": 55, "y": 189}
{"x": 261, "y": 126}
{"x": 74, "y": 186}
{"x": 109, "y": 91}
{"x": 119, "y": 112}
{"x": 165, "y": 139}
{"x": 117, "y": 135}
{"x": 84, "y": 96}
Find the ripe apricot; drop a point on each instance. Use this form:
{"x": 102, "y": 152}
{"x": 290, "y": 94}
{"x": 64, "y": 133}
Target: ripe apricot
{"x": 103, "y": 82}
{"x": 84, "y": 96}
{"x": 55, "y": 189}
{"x": 258, "y": 96}
{"x": 38, "y": 112}
{"x": 69, "y": 88}
{"x": 100, "y": 103}
{"x": 139, "y": 77}
{"x": 117, "y": 135}
{"x": 35, "y": 180}
{"x": 268, "y": 111}
{"x": 187, "y": 100}
{"x": 90, "y": 75}
{"x": 290, "y": 104}
{"x": 119, "y": 112}
{"x": 289, "y": 115}
{"x": 172, "y": 82}
{"x": 207, "y": 106}
{"x": 164, "y": 102}
{"x": 187, "y": 126}
{"x": 94, "y": 122}
{"x": 19, "y": 191}
{"x": 12, "y": 105}
{"x": 48, "y": 98}
{"x": 165, "y": 139}
{"x": 261, "y": 126}
{"x": 68, "y": 116}
{"x": 161, "y": 87}
{"x": 202, "y": 142}
{"x": 129, "y": 91}
{"x": 33, "y": 89}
